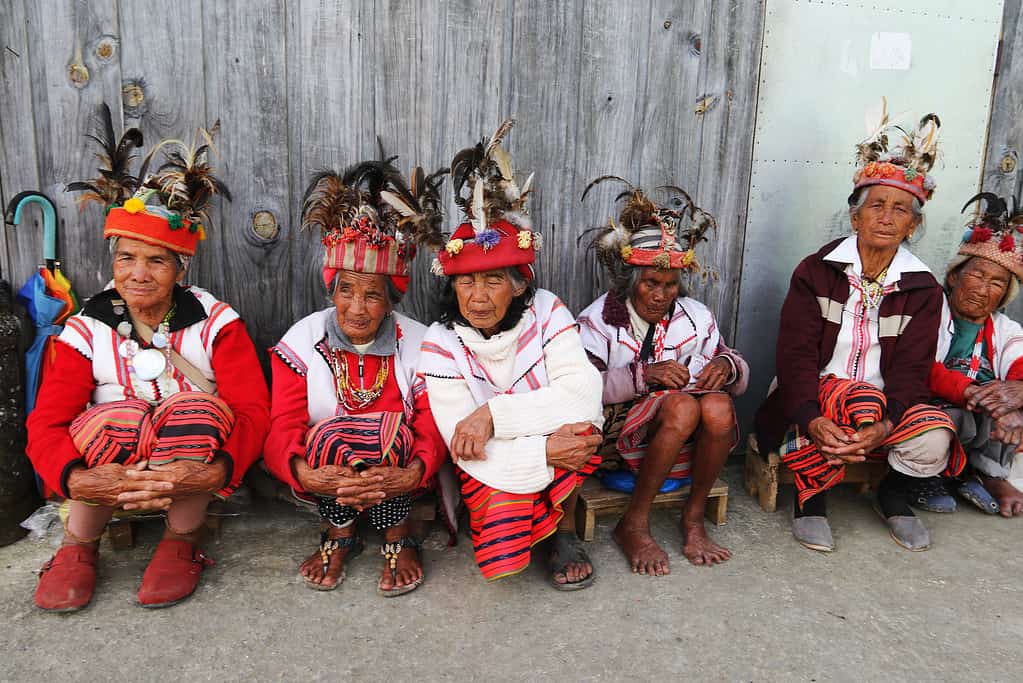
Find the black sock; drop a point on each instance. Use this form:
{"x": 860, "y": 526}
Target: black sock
{"x": 816, "y": 506}
{"x": 893, "y": 495}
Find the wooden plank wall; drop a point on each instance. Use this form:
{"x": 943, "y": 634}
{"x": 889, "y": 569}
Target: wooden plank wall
{"x": 659, "y": 91}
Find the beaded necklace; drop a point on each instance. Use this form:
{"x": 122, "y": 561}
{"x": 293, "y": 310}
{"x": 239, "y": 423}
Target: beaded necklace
{"x": 873, "y": 290}
{"x": 350, "y": 397}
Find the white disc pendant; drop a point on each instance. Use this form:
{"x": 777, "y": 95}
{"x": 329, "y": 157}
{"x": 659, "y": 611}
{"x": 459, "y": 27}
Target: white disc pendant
{"x": 124, "y": 328}
{"x": 128, "y": 348}
{"x": 159, "y": 340}
{"x": 149, "y": 364}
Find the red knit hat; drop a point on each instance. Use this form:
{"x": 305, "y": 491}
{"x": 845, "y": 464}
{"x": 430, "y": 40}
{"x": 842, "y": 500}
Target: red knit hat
{"x": 153, "y": 225}
{"x": 904, "y": 165}
{"x": 501, "y": 245}
{"x": 498, "y": 233}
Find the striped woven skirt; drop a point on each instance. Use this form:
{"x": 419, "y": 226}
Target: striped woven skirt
{"x": 633, "y": 439}
{"x": 850, "y": 405}
{"x": 360, "y": 441}
{"x": 505, "y": 526}
{"x": 189, "y": 425}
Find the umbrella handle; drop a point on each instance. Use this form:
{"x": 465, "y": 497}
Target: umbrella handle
{"x": 49, "y": 220}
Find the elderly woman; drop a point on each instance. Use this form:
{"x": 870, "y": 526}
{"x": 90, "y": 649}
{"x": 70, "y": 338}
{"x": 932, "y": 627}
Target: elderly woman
{"x": 152, "y": 398}
{"x": 350, "y": 427}
{"x": 508, "y": 381}
{"x": 668, "y": 377}
{"x": 978, "y": 375}
{"x": 858, "y": 333}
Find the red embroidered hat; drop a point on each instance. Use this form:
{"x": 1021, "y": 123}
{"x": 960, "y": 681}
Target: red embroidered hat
{"x": 649, "y": 234}
{"x": 181, "y": 188}
{"x": 498, "y": 232}
{"x": 370, "y": 219}
{"x": 904, "y": 165}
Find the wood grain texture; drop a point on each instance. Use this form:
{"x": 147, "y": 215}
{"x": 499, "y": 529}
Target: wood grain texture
{"x": 245, "y": 55}
{"x": 21, "y": 247}
{"x": 1005, "y": 134}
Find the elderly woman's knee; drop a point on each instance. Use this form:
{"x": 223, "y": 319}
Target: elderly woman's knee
{"x": 678, "y": 411}
{"x": 717, "y": 413}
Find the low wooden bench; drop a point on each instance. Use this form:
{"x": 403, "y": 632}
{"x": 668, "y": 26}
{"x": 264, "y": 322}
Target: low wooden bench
{"x": 596, "y": 500}
{"x": 765, "y": 473}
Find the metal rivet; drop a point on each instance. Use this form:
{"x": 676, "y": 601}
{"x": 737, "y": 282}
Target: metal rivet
{"x": 667, "y": 23}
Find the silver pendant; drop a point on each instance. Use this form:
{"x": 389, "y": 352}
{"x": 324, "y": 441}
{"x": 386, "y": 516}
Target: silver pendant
{"x": 124, "y": 328}
{"x": 149, "y": 364}
{"x": 128, "y": 348}
{"x": 159, "y": 340}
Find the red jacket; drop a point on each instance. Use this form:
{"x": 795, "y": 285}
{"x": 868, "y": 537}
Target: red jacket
{"x": 67, "y": 387}
{"x": 807, "y": 337}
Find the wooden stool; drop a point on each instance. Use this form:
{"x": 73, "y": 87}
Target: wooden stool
{"x": 764, "y": 474}
{"x": 595, "y": 500}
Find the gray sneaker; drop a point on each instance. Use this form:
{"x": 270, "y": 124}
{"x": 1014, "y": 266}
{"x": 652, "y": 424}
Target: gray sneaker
{"x": 814, "y": 533}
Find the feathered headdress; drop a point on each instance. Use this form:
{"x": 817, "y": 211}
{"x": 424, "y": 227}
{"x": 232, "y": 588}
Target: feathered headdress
{"x": 649, "y": 234}
{"x": 994, "y": 233}
{"x": 498, "y": 232}
{"x": 904, "y": 164}
{"x": 180, "y": 190}
{"x": 115, "y": 183}
{"x": 370, "y": 220}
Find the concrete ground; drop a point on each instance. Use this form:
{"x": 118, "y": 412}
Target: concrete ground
{"x": 776, "y": 612}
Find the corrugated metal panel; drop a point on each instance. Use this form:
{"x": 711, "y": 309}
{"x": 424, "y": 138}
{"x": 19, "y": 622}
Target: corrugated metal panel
{"x": 816, "y": 84}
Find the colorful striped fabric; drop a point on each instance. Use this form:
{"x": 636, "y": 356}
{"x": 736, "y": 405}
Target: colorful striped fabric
{"x": 850, "y": 405}
{"x": 189, "y": 425}
{"x": 505, "y": 526}
{"x": 632, "y": 440}
{"x": 365, "y": 440}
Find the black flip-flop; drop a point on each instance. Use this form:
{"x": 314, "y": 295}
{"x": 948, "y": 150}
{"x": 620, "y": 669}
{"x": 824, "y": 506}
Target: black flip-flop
{"x": 570, "y": 550}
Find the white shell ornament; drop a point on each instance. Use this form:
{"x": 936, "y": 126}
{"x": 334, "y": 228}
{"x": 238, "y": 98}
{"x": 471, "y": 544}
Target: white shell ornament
{"x": 124, "y": 328}
{"x": 128, "y": 348}
{"x": 149, "y": 364}
{"x": 159, "y": 340}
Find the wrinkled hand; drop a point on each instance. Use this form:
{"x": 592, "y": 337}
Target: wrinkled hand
{"x": 572, "y": 445}
{"x": 996, "y": 398}
{"x": 322, "y": 481}
{"x": 715, "y": 375}
{"x": 1009, "y": 430}
{"x": 668, "y": 374}
{"x": 375, "y": 484}
{"x": 186, "y": 478}
{"x": 103, "y": 485}
{"x": 839, "y": 448}
{"x": 472, "y": 434}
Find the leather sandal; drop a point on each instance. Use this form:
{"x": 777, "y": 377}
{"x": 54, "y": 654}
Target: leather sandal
{"x": 173, "y": 573}
{"x": 569, "y": 549}
{"x": 391, "y": 550}
{"x": 68, "y": 579}
{"x": 329, "y": 546}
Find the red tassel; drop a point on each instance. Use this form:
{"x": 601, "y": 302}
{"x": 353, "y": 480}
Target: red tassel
{"x": 980, "y": 234}
{"x": 1007, "y": 243}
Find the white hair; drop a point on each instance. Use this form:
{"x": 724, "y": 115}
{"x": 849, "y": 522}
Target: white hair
{"x": 918, "y": 211}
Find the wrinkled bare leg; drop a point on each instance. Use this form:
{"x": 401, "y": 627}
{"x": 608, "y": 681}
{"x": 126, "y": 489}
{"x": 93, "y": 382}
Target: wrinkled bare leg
{"x": 717, "y": 432}
{"x": 675, "y": 421}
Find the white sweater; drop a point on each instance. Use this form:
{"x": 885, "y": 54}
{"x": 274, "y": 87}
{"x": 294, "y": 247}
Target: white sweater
{"x": 569, "y": 391}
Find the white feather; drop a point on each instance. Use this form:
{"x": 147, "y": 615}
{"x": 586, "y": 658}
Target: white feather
{"x": 479, "y": 218}
{"x": 397, "y": 203}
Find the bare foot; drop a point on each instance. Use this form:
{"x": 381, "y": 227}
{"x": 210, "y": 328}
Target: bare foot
{"x": 642, "y": 551}
{"x": 1010, "y": 499}
{"x": 312, "y": 568}
{"x": 698, "y": 548}
{"x": 574, "y": 571}
{"x": 407, "y": 571}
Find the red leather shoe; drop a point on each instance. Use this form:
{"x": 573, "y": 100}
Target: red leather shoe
{"x": 68, "y": 579}
{"x": 172, "y": 574}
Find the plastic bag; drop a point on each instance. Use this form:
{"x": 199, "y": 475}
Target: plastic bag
{"x": 46, "y": 524}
